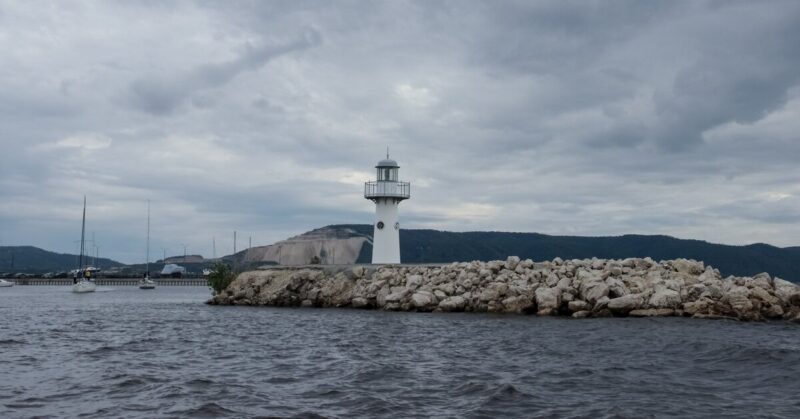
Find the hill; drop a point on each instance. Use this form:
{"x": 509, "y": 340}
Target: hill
{"x": 432, "y": 246}
{"x": 34, "y": 260}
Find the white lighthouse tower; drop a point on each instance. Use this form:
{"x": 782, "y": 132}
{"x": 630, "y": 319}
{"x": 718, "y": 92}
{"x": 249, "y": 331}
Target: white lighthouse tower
{"x": 386, "y": 193}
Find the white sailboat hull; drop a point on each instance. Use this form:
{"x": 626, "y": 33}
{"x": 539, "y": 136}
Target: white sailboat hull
{"x": 84, "y": 286}
{"x": 147, "y": 284}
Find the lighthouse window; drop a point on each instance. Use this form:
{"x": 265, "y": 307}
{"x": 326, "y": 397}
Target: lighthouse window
{"x": 380, "y": 225}
{"x": 387, "y": 174}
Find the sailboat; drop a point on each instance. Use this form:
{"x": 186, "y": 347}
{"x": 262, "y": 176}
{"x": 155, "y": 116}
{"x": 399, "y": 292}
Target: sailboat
{"x": 146, "y": 283}
{"x": 82, "y": 281}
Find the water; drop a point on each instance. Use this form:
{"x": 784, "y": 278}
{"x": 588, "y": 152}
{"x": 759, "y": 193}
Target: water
{"x": 133, "y": 353}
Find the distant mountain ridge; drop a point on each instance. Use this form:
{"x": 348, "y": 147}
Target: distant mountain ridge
{"x": 433, "y": 246}
{"x": 30, "y": 259}
{"x": 335, "y": 244}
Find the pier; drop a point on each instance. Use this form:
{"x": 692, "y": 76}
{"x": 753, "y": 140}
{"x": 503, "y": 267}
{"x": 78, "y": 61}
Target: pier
{"x": 120, "y": 282}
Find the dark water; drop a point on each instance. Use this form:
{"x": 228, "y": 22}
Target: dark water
{"x": 132, "y": 353}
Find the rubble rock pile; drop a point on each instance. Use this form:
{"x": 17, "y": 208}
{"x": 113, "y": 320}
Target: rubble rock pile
{"x": 578, "y": 288}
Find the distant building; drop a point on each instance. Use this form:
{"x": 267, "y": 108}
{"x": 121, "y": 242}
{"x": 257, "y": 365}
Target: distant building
{"x": 173, "y": 270}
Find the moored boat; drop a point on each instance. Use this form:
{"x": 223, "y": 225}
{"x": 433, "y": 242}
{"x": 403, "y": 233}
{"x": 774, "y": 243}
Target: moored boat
{"x": 82, "y": 278}
{"x": 146, "y": 283}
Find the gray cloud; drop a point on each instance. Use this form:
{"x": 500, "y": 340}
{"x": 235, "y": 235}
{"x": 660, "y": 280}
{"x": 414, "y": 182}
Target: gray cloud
{"x": 158, "y": 95}
{"x": 584, "y": 118}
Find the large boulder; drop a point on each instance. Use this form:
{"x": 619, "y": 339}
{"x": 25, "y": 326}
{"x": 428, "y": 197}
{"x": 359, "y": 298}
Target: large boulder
{"x": 398, "y": 295}
{"x": 665, "y": 298}
{"x": 494, "y": 291}
{"x": 690, "y": 267}
{"x": 548, "y": 300}
{"x": 698, "y": 307}
{"x": 519, "y": 304}
{"x": 413, "y": 281}
{"x": 738, "y": 299}
{"x": 762, "y": 280}
{"x": 578, "y": 305}
{"x": 693, "y": 292}
{"x": 512, "y": 262}
{"x": 424, "y": 300}
{"x": 624, "y": 304}
{"x": 616, "y": 288}
{"x": 788, "y": 292}
{"x": 456, "y": 303}
{"x": 593, "y": 291}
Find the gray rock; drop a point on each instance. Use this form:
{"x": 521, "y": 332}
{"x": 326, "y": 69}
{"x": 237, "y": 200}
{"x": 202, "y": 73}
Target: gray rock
{"x": 665, "y": 298}
{"x": 624, "y": 304}
{"x": 512, "y": 262}
{"x": 700, "y": 306}
{"x": 413, "y": 281}
{"x": 397, "y": 296}
{"x": 581, "y": 314}
{"x": 456, "y": 303}
{"x": 519, "y": 304}
{"x": 495, "y": 266}
{"x": 738, "y": 299}
{"x": 594, "y": 291}
{"x": 601, "y": 304}
{"x": 548, "y": 300}
{"x": 616, "y": 288}
{"x": 694, "y": 292}
{"x": 493, "y": 292}
{"x": 578, "y": 305}
{"x": 762, "y": 280}
{"x": 691, "y": 267}
{"x": 787, "y": 292}
{"x": 424, "y": 299}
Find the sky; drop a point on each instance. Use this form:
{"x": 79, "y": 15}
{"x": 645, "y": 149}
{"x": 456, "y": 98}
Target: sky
{"x": 265, "y": 118}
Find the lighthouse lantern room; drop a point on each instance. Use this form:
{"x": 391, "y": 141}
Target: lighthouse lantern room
{"x": 386, "y": 193}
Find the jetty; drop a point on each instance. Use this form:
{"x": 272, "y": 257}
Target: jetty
{"x": 580, "y": 288}
{"x": 112, "y": 281}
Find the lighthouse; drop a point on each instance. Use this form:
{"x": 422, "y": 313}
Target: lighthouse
{"x": 387, "y": 192}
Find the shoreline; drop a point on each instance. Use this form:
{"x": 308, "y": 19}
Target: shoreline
{"x": 635, "y": 287}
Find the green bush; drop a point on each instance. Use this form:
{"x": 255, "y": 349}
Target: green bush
{"x": 220, "y": 277}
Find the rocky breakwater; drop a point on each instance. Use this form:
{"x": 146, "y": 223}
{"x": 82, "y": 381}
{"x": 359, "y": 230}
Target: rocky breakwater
{"x": 577, "y": 288}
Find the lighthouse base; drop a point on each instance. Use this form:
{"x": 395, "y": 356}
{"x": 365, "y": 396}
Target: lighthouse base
{"x": 386, "y": 233}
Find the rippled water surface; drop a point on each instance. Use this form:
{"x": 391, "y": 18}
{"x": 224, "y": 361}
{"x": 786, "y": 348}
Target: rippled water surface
{"x": 126, "y": 352}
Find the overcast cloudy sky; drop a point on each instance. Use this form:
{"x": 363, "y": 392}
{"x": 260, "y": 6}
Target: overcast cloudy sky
{"x": 576, "y": 118}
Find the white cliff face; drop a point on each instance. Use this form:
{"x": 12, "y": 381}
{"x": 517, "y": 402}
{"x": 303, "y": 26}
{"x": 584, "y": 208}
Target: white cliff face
{"x": 329, "y": 245}
{"x": 577, "y": 288}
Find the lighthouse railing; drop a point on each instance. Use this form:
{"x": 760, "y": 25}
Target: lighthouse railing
{"x": 382, "y": 189}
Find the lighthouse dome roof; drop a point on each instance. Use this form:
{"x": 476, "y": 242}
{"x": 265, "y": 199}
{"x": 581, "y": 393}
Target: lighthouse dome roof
{"x": 387, "y": 163}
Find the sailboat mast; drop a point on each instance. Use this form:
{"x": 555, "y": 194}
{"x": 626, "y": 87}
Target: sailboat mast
{"x": 83, "y": 233}
{"x": 148, "y": 237}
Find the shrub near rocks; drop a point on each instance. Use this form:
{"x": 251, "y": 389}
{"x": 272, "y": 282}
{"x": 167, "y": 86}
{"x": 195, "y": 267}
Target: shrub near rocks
{"x": 579, "y": 288}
